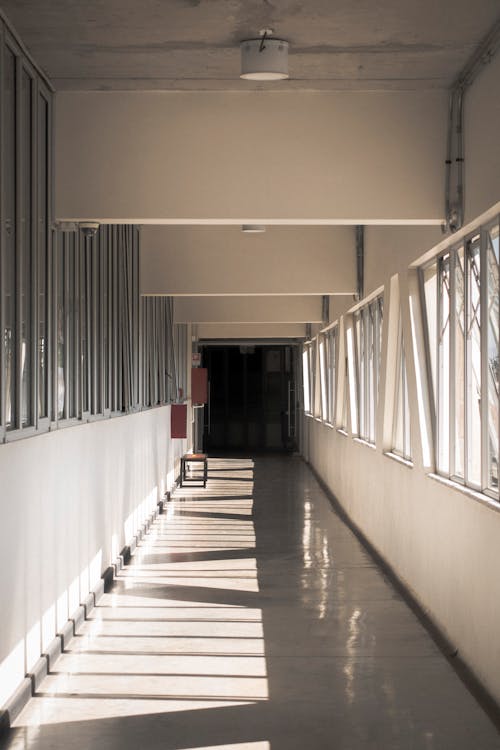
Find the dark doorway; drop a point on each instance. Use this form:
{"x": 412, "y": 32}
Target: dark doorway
{"x": 252, "y": 398}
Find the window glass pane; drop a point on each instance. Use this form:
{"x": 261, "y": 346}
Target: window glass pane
{"x": 72, "y": 315}
{"x": 467, "y": 373}
{"x": 84, "y": 326}
{"x": 406, "y": 408}
{"x": 368, "y": 332}
{"x": 360, "y": 369}
{"x": 61, "y": 327}
{"x": 9, "y": 269}
{"x": 443, "y": 458}
{"x": 345, "y": 395}
{"x": 377, "y": 356}
{"x": 43, "y": 258}
{"x": 305, "y": 376}
{"x": 398, "y": 427}
{"x": 95, "y": 351}
{"x": 323, "y": 376}
{"x": 312, "y": 374}
{"x": 401, "y": 425}
{"x": 474, "y": 365}
{"x": 332, "y": 380}
{"x": 105, "y": 320}
{"x": 493, "y": 354}
{"x": 372, "y": 367}
{"x": 430, "y": 293}
{"x": 26, "y": 244}
{"x": 459, "y": 395}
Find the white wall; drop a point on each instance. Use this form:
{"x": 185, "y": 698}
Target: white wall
{"x": 352, "y": 156}
{"x": 388, "y": 250}
{"x": 482, "y": 141}
{"x": 70, "y": 500}
{"x": 442, "y": 543}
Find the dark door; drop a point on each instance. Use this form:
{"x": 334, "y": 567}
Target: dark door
{"x": 250, "y": 390}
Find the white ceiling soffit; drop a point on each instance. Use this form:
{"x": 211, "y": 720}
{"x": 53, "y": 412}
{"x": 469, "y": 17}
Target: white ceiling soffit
{"x": 194, "y": 44}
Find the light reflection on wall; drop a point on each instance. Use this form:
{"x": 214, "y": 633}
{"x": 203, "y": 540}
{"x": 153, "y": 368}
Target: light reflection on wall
{"x": 39, "y": 635}
{"x": 11, "y": 671}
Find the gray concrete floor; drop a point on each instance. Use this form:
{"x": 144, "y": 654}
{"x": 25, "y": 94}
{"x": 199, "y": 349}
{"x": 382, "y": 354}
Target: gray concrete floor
{"x": 252, "y": 618}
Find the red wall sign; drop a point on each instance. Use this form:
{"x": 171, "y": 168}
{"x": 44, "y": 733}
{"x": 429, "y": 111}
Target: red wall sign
{"x": 178, "y": 421}
{"x": 199, "y": 385}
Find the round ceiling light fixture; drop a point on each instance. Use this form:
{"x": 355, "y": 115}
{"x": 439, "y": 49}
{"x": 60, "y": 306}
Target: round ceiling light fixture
{"x": 264, "y": 59}
{"x": 253, "y": 228}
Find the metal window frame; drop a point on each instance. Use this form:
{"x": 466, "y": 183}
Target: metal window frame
{"x": 485, "y": 241}
{"x": 484, "y": 323}
{"x": 306, "y": 351}
{"x": 2, "y": 240}
{"x": 332, "y": 372}
{"x": 132, "y": 351}
{"x": 104, "y": 323}
{"x": 93, "y": 244}
{"x": 67, "y": 247}
{"x": 401, "y": 389}
{"x": 44, "y": 225}
{"x": 367, "y": 327}
{"x": 323, "y": 377}
{"x": 480, "y": 233}
{"x": 27, "y": 133}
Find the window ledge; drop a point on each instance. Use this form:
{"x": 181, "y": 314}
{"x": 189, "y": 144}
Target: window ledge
{"x": 399, "y": 459}
{"x": 342, "y": 432}
{"x": 361, "y": 441}
{"x": 10, "y": 436}
{"x": 480, "y": 497}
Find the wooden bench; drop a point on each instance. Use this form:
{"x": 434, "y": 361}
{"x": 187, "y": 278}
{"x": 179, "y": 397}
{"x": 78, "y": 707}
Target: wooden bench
{"x": 193, "y": 458}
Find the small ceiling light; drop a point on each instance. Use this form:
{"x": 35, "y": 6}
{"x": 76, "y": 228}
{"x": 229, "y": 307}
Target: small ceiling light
{"x": 264, "y": 59}
{"x": 253, "y": 228}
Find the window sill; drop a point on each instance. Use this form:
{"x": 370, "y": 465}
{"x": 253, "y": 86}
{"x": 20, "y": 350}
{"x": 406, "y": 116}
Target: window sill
{"x": 342, "y": 432}
{"x": 480, "y": 497}
{"x": 362, "y": 441}
{"x": 10, "y": 436}
{"x": 399, "y": 459}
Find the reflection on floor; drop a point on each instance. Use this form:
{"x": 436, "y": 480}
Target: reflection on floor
{"x": 251, "y": 618}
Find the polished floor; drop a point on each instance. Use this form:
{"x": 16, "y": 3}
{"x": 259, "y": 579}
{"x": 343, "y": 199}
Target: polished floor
{"x": 251, "y": 618}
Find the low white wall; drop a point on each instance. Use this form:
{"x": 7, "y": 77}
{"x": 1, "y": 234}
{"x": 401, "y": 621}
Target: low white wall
{"x": 442, "y": 543}
{"x": 70, "y": 500}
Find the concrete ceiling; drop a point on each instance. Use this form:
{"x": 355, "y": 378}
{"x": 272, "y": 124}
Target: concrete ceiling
{"x": 194, "y": 44}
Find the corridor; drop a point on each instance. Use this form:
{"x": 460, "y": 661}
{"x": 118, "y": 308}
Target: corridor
{"x": 250, "y": 617}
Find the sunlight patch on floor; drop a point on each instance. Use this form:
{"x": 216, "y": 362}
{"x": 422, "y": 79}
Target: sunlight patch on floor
{"x": 175, "y": 633}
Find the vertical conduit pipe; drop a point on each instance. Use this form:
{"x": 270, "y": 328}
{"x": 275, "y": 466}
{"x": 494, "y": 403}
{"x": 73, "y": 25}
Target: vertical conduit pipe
{"x": 482, "y": 55}
{"x": 360, "y": 261}
{"x": 325, "y": 309}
